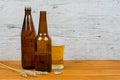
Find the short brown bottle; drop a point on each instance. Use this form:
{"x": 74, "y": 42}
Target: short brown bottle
{"x": 43, "y": 57}
{"x": 28, "y": 41}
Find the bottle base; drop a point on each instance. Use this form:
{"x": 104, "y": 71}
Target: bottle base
{"x": 43, "y": 70}
{"x": 28, "y": 67}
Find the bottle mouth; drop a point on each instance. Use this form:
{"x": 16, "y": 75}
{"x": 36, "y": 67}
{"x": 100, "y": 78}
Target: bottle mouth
{"x": 42, "y": 12}
{"x": 27, "y": 7}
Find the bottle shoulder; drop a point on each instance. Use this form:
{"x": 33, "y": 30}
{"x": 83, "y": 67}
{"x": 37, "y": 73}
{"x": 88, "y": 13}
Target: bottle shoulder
{"x": 28, "y": 22}
{"x": 29, "y": 30}
{"x": 28, "y": 35}
{"x": 28, "y": 38}
{"x": 43, "y": 38}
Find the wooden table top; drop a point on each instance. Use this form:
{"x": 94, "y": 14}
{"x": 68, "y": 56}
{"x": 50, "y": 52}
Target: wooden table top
{"x": 74, "y": 70}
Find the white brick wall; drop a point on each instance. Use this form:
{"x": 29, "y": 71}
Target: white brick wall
{"x": 91, "y": 28}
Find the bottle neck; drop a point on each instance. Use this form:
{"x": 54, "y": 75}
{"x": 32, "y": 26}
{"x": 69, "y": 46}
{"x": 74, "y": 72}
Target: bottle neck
{"x": 28, "y": 22}
{"x": 27, "y": 12}
{"x": 43, "y": 24}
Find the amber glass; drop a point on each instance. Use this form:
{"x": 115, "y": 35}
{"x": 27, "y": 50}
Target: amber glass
{"x": 28, "y": 41}
{"x": 43, "y": 59}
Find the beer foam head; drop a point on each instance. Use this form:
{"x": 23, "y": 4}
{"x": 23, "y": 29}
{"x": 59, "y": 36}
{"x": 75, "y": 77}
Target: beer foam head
{"x": 57, "y": 41}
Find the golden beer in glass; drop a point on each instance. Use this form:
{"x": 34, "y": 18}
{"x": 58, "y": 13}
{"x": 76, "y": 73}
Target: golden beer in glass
{"x": 57, "y": 54}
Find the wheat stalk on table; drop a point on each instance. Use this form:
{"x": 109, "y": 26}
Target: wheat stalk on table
{"x": 24, "y": 73}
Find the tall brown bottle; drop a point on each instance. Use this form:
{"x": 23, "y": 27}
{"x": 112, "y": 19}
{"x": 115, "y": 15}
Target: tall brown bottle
{"x": 28, "y": 40}
{"x": 43, "y": 57}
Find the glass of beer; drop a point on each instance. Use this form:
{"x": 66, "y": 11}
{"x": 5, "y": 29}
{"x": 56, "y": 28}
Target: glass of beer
{"x": 57, "y": 53}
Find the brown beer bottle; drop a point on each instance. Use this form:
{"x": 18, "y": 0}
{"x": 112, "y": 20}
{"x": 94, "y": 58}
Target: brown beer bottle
{"x": 43, "y": 58}
{"x": 28, "y": 40}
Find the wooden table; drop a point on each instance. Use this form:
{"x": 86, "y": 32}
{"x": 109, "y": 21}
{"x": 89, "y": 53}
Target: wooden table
{"x": 74, "y": 70}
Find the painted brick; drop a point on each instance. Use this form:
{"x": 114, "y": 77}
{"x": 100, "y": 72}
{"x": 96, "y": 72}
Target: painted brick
{"x": 90, "y": 28}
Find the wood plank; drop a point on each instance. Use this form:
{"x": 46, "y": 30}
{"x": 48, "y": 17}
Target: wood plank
{"x": 74, "y": 70}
